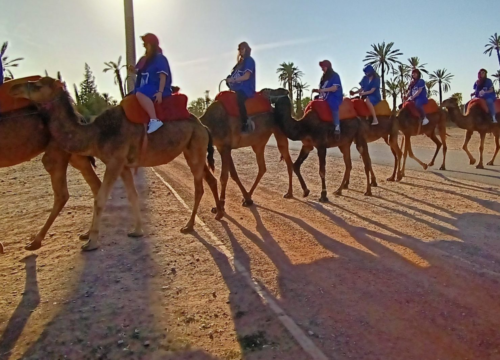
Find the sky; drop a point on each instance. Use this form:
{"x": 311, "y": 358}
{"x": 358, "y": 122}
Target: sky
{"x": 200, "y": 37}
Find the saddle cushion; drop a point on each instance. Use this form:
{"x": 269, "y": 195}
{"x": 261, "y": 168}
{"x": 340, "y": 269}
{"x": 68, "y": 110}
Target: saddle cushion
{"x": 481, "y": 102}
{"x": 430, "y": 108}
{"x": 322, "y": 109}
{"x": 172, "y": 108}
{"x": 259, "y": 104}
{"x": 381, "y": 109}
{"x": 9, "y": 103}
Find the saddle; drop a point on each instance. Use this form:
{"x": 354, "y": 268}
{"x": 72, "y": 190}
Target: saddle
{"x": 322, "y": 109}
{"x": 482, "y": 103}
{"x": 9, "y": 103}
{"x": 172, "y": 108}
{"x": 430, "y": 108}
{"x": 381, "y": 109}
{"x": 259, "y": 104}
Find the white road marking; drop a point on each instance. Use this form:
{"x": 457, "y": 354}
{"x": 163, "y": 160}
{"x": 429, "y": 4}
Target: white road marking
{"x": 302, "y": 339}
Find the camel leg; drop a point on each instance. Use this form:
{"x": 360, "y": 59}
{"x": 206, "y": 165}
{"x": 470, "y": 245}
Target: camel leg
{"x": 363, "y": 150}
{"x": 497, "y": 147}
{"x": 434, "y": 138}
{"x": 113, "y": 171}
{"x": 261, "y": 163}
{"x": 225, "y": 154}
{"x": 133, "y": 197}
{"x": 396, "y": 151}
{"x": 401, "y": 173}
{"x": 247, "y": 198}
{"x": 212, "y": 183}
{"x": 322, "y": 173}
{"x": 346, "y": 154}
{"x": 481, "y": 149}
{"x": 304, "y": 153}
{"x": 442, "y": 135}
{"x": 55, "y": 162}
{"x": 197, "y": 166}
{"x": 282, "y": 142}
{"x": 82, "y": 164}
{"x": 465, "y": 147}
{"x": 410, "y": 152}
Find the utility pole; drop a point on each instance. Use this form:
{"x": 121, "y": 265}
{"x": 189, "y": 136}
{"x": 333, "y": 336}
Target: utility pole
{"x": 130, "y": 41}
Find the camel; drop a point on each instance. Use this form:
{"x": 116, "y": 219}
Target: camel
{"x": 117, "y": 142}
{"x": 315, "y": 133}
{"x": 24, "y": 135}
{"x": 227, "y": 135}
{"x": 411, "y": 126}
{"x": 476, "y": 120}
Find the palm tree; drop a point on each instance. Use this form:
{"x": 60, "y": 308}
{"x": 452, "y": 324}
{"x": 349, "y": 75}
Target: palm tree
{"x": 497, "y": 77}
{"x": 403, "y": 73}
{"x": 288, "y": 75}
{"x": 116, "y": 68}
{"x": 383, "y": 57}
{"x": 493, "y": 45}
{"x": 414, "y": 62}
{"x": 429, "y": 85}
{"x": 458, "y": 96}
{"x": 394, "y": 88}
{"x": 7, "y": 64}
{"x": 107, "y": 98}
{"x": 299, "y": 89}
{"x": 442, "y": 78}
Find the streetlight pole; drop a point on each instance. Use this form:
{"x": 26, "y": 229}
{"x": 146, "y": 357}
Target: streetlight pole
{"x": 130, "y": 41}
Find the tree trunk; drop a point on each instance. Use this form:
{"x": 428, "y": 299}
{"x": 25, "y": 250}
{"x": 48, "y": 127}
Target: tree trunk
{"x": 498, "y": 55}
{"x": 299, "y": 104}
{"x": 383, "y": 81}
{"x": 394, "y": 102}
{"x": 440, "y": 94}
{"x": 290, "y": 92}
{"x": 120, "y": 82}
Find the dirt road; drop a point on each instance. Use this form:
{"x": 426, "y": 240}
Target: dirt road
{"x": 410, "y": 273}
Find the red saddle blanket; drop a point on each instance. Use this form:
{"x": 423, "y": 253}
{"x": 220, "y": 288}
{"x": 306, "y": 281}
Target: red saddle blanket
{"x": 430, "y": 108}
{"x": 481, "y": 102}
{"x": 321, "y": 107}
{"x": 259, "y": 104}
{"x": 381, "y": 109}
{"x": 9, "y": 103}
{"x": 172, "y": 108}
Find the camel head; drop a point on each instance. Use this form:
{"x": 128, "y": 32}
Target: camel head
{"x": 42, "y": 91}
{"x": 274, "y": 94}
{"x": 450, "y": 103}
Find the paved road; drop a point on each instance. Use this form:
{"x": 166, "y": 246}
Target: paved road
{"x": 457, "y": 163}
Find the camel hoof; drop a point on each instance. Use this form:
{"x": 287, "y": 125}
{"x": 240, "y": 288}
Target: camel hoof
{"x": 346, "y": 186}
{"x": 480, "y": 166}
{"x": 368, "y": 193}
{"x": 391, "y": 179}
{"x": 306, "y": 193}
{"x": 187, "y": 229}
{"x": 1, "y": 249}
{"x": 247, "y": 203}
{"x": 84, "y": 237}
{"x": 220, "y": 215}
{"x": 431, "y": 164}
{"x": 323, "y": 199}
{"x": 34, "y": 245}
{"x": 472, "y": 161}
{"x": 425, "y": 166}
{"x": 490, "y": 163}
{"x": 135, "y": 234}
{"x": 338, "y": 192}
{"x": 288, "y": 195}
{"x": 442, "y": 168}
{"x": 374, "y": 184}
{"x": 90, "y": 245}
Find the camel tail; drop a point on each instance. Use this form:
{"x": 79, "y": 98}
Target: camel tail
{"x": 210, "y": 151}
{"x": 92, "y": 161}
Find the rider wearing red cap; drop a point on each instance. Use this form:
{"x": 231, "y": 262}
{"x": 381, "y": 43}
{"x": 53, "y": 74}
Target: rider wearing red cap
{"x": 417, "y": 93}
{"x": 330, "y": 90}
{"x": 154, "y": 79}
{"x": 483, "y": 89}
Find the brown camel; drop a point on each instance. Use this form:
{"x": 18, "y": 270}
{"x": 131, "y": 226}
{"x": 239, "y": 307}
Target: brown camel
{"x": 318, "y": 134}
{"x": 24, "y": 135}
{"x": 410, "y": 126}
{"x": 117, "y": 142}
{"x": 476, "y": 120}
{"x": 226, "y": 132}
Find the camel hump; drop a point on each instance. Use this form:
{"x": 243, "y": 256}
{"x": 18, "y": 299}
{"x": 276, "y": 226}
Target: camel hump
{"x": 172, "y": 108}
{"x": 9, "y": 103}
{"x": 259, "y": 104}
{"x": 322, "y": 109}
{"x": 482, "y": 103}
{"x": 430, "y": 108}
{"x": 381, "y": 109}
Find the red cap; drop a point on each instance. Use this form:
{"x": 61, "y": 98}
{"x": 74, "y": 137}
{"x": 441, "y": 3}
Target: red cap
{"x": 325, "y": 63}
{"x": 150, "y": 39}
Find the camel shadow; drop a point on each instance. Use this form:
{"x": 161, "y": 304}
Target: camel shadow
{"x": 29, "y": 302}
{"x": 453, "y": 183}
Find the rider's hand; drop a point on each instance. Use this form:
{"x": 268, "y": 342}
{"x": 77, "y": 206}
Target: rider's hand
{"x": 315, "y": 91}
{"x": 158, "y": 97}
{"x": 352, "y": 92}
{"x": 481, "y": 93}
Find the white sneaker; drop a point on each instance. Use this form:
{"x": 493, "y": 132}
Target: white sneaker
{"x": 154, "y": 124}
{"x": 425, "y": 121}
{"x": 375, "y": 121}
{"x": 494, "y": 121}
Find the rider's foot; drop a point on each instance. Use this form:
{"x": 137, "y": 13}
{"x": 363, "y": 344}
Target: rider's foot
{"x": 375, "y": 121}
{"x": 425, "y": 121}
{"x": 154, "y": 124}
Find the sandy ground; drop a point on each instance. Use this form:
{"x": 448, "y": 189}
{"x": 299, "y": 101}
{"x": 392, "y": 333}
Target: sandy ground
{"x": 410, "y": 273}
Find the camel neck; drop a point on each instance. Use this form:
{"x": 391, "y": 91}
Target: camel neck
{"x": 65, "y": 129}
{"x": 283, "y": 115}
{"x": 457, "y": 117}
